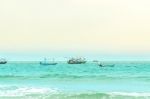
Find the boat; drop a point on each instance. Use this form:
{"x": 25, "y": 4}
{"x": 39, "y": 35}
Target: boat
{"x": 95, "y": 60}
{"x": 3, "y": 61}
{"x": 76, "y": 61}
{"x": 106, "y": 65}
{"x": 45, "y": 62}
{"x": 103, "y": 65}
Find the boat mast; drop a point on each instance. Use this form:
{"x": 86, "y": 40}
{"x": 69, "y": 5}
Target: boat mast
{"x": 44, "y": 60}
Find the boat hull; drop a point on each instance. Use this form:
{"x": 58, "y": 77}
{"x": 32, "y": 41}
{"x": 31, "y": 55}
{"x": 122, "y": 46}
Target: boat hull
{"x": 3, "y": 62}
{"x": 72, "y": 62}
{"x": 48, "y": 63}
{"x": 106, "y": 65}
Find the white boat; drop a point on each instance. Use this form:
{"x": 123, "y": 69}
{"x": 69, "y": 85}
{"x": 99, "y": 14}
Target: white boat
{"x": 76, "y": 61}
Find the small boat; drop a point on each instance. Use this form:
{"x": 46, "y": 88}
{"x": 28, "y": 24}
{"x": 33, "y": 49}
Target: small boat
{"x": 106, "y": 65}
{"x": 47, "y": 63}
{"x": 76, "y": 61}
{"x": 3, "y": 61}
{"x": 95, "y": 60}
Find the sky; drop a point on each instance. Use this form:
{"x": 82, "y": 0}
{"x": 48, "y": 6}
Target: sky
{"x": 33, "y": 29}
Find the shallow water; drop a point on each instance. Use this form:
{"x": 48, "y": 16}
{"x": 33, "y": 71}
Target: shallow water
{"x": 30, "y": 80}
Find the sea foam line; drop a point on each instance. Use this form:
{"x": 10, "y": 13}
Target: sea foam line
{"x": 137, "y": 94}
{"x": 23, "y": 91}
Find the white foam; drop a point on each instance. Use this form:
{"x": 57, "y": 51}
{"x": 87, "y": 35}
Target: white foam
{"x": 27, "y": 91}
{"x": 136, "y": 94}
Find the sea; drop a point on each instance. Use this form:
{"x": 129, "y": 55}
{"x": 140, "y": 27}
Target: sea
{"x": 30, "y": 80}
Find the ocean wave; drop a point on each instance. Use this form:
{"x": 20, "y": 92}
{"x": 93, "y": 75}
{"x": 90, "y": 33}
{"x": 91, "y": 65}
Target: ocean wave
{"x": 54, "y": 93}
{"x": 72, "y": 76}
{"x": 107, "y": 95}
{"x": 25, "y": 91}
{"x": 130, "y": 94}
{"x": 97, "y": 95}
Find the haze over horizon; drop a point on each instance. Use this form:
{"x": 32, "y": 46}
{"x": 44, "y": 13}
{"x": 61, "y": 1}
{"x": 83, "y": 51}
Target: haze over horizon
{"x": 92, "y": 28}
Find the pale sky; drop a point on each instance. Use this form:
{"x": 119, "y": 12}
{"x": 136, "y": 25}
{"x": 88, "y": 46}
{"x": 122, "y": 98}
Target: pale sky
{"x": 107, "y": 27}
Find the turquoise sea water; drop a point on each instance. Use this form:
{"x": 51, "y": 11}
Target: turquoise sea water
{"x": 30, "y": 80}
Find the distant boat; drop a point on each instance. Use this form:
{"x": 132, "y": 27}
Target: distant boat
{"x": 45, "y": 62}
{"x": 106, "y": 65}
{"x": 76, "y": 61}
{"x": 3, "y": 61}
{"x": 95, "y": 60}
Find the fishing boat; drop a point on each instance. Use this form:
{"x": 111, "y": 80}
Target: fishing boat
{"x": 76, "y": 61}
{"x": 45, "y": 62}
{"x": 95, "y": 60}
{"x": 106, "y": 65}
{"x": 3, "y": 61}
